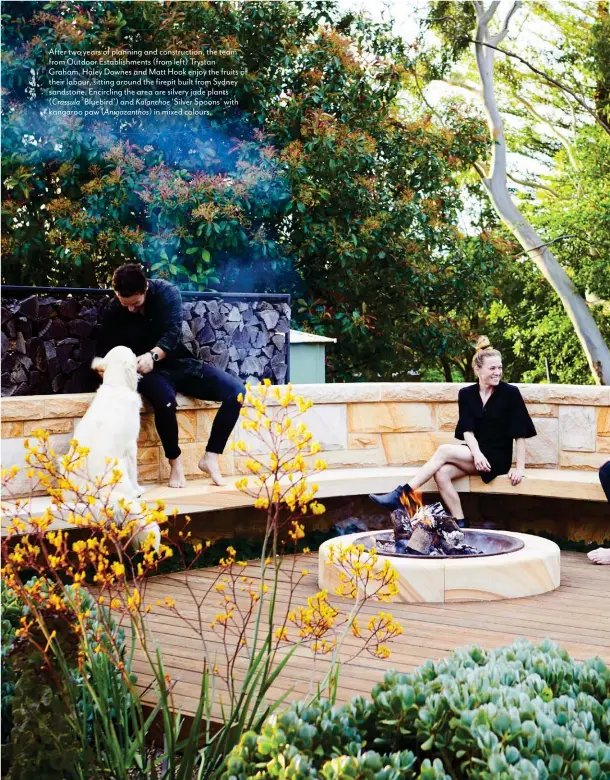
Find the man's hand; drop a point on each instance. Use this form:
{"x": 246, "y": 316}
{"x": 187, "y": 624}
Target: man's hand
{"x": 480, "y": 461}
{"x": 99, "y": 365}
{"x": 515, "y": 475}
{"x": 145, "y": 363}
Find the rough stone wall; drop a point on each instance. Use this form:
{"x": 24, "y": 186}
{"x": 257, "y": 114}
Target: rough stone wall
{"x": 249, "y": 339}
{"x": 48, "y": 342}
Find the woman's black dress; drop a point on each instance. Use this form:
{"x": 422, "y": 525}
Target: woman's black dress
{"x": 495, "y": 425}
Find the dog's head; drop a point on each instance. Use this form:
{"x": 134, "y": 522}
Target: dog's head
{"x": 119, "y": 368}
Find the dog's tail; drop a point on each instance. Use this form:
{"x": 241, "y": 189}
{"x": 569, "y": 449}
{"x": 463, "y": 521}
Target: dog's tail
{"x": 143, "y": 527}
{"x": 120, "y": 511}
{"x": 143, "y": 533}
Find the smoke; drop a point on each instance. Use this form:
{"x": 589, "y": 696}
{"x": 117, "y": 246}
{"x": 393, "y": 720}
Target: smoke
{"x": 247, "y": 254}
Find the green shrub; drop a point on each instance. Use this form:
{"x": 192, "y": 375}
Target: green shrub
{"x": 42, "y": 742}
{"x": 522, "y": 711}
{"x": 11, "y": 612}
{"x": 40, "y": 706}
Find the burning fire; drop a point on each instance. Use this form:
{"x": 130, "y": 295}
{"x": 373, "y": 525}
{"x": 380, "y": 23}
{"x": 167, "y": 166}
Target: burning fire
{"x": 427, "y": 530}
{"x": 413, "y": 499}
{"x": 413, "y": 504}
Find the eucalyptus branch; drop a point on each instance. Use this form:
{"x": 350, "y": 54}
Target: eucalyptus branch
{"x": 480, "y": 170}
{"x": 460, "y": 85}
{"x": 581, "y": 9}
{"x": 581, "y": 102}
{"x": 534, "y": 184}
{"x": 560, "y": 137}
{"x": 485, "y": 16}
{"x": 547, "y": 243}
{"x": 420, "y": 91}
{"x": 504, "y": 29}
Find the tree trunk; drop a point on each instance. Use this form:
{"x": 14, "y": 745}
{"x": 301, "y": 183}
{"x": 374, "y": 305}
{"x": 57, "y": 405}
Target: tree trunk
{"x": 602, "y": 92}
{"x": 446, "y": 368}
{"x": 596, "y": 350}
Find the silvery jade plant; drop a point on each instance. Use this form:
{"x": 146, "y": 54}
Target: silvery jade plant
{"x": 522, "y": 711}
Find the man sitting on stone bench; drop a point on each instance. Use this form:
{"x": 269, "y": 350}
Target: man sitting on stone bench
{"x": 146, "y": 316}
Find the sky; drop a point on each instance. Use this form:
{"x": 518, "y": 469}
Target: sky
{"x": 407, "y": 14}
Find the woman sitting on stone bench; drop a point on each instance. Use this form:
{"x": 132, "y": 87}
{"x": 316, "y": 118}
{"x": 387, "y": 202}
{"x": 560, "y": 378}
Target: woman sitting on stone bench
{"x": 492, "y": 414}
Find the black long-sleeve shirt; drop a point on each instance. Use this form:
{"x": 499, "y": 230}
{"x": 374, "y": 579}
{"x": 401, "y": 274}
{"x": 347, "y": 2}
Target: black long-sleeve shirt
{"x": 158, "y": 324}
{"x": 495, "y": 425}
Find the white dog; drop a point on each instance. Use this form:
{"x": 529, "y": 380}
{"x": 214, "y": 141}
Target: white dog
{"x": 111, "y": 426}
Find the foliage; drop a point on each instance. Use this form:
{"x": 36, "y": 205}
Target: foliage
{"x": 397, "y": 268}
{"x": 39, "y": 738}
{"x": 83, "y": 195}
{"x": 11, "y": 612}
{"x": 68, "y": 627}
{"x": 42, "y": 740}
{"x": 528, "y": 325}
{"x": 558, "y": 169}
{"x": 522, "y": 711}
{"x": 248, "y": 201}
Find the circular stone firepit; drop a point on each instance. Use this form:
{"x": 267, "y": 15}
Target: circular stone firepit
{"x": 488, "y": 543}
{"x": 512, "y": 566}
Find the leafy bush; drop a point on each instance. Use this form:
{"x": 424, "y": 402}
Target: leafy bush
{"x": 522, "y": 711}
{"x": 11, "y": 612}
{"x": 42, "y": 741}
{"x": 38, "y": 737}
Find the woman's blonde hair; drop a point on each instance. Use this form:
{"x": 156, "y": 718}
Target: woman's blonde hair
{"x": 483, "y": 350}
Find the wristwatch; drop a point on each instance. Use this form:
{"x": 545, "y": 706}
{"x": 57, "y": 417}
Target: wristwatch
{"x": 155, "y": 355}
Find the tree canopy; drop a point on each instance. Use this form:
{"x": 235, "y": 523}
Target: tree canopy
{"x": 320, "y": 183}
{"x": 553, "y": 97}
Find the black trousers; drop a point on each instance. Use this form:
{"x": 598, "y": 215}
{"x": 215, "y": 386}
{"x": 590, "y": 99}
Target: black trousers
{"x": 604, "y": 478}
{"x": 208, "y": 384}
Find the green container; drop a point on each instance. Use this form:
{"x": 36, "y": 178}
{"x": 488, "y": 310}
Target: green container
{"x": 308, "y": 357}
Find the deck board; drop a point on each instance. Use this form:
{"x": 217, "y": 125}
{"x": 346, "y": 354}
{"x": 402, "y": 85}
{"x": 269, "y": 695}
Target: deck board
{"x": 576, "y": 615}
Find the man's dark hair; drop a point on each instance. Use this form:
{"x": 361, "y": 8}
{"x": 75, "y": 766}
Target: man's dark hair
{"x": 129, "y": 280}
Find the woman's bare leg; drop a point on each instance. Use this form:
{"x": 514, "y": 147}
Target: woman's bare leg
{"x": 455, "y": 454}
{"x": 444, "y": 479}
{"x": 446, "y": 455}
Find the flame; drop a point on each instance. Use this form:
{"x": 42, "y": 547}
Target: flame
{"x": 412, "y": 502}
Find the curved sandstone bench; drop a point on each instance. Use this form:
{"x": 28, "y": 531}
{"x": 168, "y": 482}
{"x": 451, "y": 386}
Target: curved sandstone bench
{"x": 201, "y": 496}
{"x": 373, "y": 435}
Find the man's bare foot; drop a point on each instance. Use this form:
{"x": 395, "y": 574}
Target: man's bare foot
{"x": 601, "y": 555}
{"x": 176, "y": 473}
{"x": 209, "y": 465}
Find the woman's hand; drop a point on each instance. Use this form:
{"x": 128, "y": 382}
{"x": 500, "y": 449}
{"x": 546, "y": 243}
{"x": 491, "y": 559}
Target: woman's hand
{"x": 515, "y": 475}
{"x": 480, "y": 461}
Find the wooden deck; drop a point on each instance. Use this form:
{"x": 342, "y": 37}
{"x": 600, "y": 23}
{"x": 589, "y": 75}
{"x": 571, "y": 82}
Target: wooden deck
{"x": 577, "y": 616}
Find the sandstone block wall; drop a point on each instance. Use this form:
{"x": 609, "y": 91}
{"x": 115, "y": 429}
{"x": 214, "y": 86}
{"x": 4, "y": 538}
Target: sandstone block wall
{"x": 358, "y": 425}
